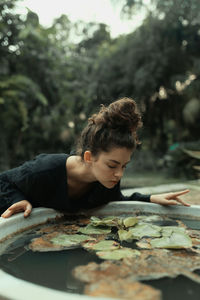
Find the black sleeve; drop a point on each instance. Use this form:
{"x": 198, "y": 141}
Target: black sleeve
{"x": 41, "y": 181}
{"x": 15, "y": 195}
{"x": 9, "y": 194}
{"x": 135, "y": 197}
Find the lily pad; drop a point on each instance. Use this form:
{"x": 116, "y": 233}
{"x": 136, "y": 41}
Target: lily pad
{"x": 168, "y": 230}
{"x": 118, "y": 254}
{"x": 130, "y": 221}
{"x": 102, "y": 245}
{"x": 109, "y": 221}
{"x": 145, "y": 229}
{"x": 90, "y": 229}
{"x": 125, "y": 235}
{"x": 177, "y": 240}
{"x": 70, "y": 239}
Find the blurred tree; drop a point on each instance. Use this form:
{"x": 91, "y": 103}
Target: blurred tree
{"x": 158, "y": 66}
{"x": 52, "y": 78}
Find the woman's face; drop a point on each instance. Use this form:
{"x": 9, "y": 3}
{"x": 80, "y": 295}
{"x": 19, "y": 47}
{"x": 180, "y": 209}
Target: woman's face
{"x": 108, "y": 167}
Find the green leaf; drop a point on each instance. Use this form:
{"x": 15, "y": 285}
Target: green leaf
{"x": 130, "y": 221}
{"x": 125, "y": 235}
{"x": 107, "y": 221}
{"x": 90, "y": 229}
{"x": 70, "y": 239}
{"x": 168, "y": 230}
{"x": 118, "y": 254}
{"x": 102, "y": 245}
{"x": 143, "y": 229}
{"x": 177, "y": 240}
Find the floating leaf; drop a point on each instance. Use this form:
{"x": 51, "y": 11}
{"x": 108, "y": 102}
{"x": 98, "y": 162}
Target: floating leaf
{"x": 110, "y": 221}
{"x": 168, "y": 230}
{"x": 118, "y": 254}
{"x": 107, "y": 221}
{"x": 70, "y": 239}
{"x": 90, "y": 229}
{"x": 177, "y": 240}
{"x": 125, "y": 235}
{"x": 130, "y": 221}
{"x": 102, "y": 245}
{"x": 143, "y": 229}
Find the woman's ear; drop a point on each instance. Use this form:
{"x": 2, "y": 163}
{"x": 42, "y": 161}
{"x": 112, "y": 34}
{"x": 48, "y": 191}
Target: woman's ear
{"x": 87, "y": 156}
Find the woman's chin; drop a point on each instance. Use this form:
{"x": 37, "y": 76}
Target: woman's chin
{"x": 109, "y": 184}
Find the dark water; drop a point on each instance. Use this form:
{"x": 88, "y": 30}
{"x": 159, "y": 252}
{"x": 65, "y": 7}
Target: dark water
{"x": 50, "y": 269}
{"x": 54, "y": 269}
{"x": 180, "y": 288}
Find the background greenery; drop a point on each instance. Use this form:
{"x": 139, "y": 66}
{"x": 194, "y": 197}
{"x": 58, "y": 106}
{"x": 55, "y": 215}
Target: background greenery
{"x": 50, "y": 84}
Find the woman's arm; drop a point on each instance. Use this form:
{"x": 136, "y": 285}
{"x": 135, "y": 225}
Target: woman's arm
{"x": 163, "y": 199}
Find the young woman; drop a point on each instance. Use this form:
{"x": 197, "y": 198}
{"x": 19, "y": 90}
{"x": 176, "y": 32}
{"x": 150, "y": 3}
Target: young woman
{"x": 86, "y": 179}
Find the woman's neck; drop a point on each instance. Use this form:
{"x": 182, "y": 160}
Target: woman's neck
{"x": 78, "y": 171}
{"x": 79, "y": 177}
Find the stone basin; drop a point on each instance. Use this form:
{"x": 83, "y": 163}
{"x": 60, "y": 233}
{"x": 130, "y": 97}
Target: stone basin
{"x": 17, "y": 289}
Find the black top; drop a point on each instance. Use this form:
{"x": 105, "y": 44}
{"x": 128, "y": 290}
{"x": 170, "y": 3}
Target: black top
{"x": 43, "y": 182}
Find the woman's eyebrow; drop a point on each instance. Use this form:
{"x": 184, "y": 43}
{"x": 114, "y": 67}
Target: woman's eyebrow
{"x": 114, "y": 161}
{"x": 117, "y": 162}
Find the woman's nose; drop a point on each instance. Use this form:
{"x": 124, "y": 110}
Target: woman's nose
{"x": 119, "y": 173}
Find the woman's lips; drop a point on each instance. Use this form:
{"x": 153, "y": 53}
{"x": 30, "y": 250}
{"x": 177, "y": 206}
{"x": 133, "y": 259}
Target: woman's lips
{"x": 114, "y": 181}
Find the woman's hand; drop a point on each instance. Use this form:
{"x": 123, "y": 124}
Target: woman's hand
{"x": 169, "y": 198}
{"x": 23, "y": 205}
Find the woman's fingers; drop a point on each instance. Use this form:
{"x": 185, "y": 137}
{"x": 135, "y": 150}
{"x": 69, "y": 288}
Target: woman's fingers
{"x": 23, "y": 205}
{"x": 169, "y": 198}
{"x": 182, "y": 202}
{"x": 168, "y": 202}
{"x": 174, "y": 195}
{"x": 7, "y": 213}
{"x": 28, "y": 210}
{"x": 10, "y": 211}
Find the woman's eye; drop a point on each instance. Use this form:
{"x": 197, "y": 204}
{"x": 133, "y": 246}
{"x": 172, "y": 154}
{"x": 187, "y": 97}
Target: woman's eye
{"x": 111, "y": 167}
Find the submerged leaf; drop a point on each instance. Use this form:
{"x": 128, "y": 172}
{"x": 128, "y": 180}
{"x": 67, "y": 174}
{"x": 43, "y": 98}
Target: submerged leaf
{"x": 118, "y": 253}
{"x": 102, "y": 245}
{"x": 90, "y": 229}
{"x": 177, "y": 240}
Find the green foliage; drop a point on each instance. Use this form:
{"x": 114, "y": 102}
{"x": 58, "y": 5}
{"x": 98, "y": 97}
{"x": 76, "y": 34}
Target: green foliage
{"x": 182, "y": 160}
{"x": 50, "y": 82}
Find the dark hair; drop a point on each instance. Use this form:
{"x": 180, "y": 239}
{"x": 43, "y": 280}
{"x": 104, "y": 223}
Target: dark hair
{"x": 114, "y": 125}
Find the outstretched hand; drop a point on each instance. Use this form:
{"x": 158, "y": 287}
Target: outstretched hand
{"x": 23, "y": 205}
{"x": 169, "y": 198}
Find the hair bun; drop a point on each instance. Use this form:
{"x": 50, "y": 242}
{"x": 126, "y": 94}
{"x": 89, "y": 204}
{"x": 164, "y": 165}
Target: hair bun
{"x": 121, "y": 115}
